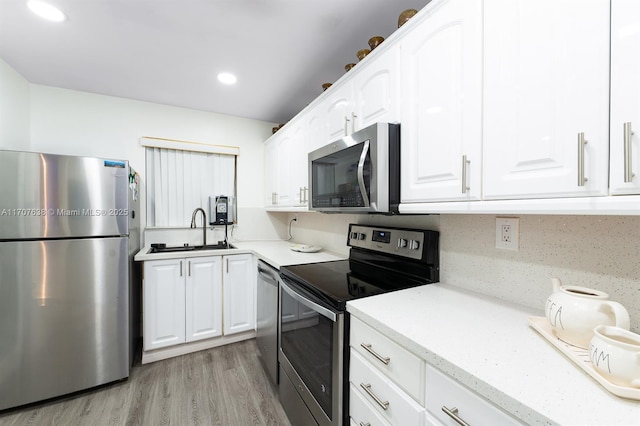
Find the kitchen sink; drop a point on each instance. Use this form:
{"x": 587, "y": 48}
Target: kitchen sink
{"x": 162, "y": 248}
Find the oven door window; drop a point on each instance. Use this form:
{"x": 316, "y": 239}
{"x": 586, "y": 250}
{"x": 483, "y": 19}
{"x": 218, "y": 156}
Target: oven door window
{"x": 307, "y": 341}
{"x": 342, "y": 179}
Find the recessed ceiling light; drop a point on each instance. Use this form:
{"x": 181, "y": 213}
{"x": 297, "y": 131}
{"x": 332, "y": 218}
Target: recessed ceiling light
{"x": 227, "y": 78}
{"x": 46, "y": 11}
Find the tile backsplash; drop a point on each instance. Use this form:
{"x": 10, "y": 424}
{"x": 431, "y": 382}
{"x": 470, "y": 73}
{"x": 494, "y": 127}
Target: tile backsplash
{"x": 600, "y": 252}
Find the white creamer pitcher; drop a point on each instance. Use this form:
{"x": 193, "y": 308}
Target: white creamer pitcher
{"x": 615, "y": 353}
{"x": 575, "y": 311}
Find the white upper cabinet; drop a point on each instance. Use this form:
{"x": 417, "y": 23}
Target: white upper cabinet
{"x": 441, "y": 127}
{"x": 376, "y": 90}
{"x": 339, "y": 111}
{"x": 546, "y": 98}
{"x": 371, "y": 95}
{"x": 277, "y": 173}
{"x": 270, "y": 172}
{"x": 625, "y": 97}
{"x": 298, "y": 165}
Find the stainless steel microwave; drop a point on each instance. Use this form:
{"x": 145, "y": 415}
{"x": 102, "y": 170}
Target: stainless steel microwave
{"x": 359, "y": 173}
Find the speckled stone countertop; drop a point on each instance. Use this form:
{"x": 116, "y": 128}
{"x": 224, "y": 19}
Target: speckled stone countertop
{"x": 275, "y": 253}
{"x": 487, "y": 345}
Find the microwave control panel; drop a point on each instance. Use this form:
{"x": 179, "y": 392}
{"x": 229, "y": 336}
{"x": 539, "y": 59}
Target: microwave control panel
{"x": 400, "y": 242}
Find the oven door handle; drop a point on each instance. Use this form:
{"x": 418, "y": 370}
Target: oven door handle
{"x": 363, "y": 188}
{"x": 308, "y": 303}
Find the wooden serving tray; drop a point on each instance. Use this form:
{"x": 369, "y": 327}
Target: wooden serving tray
{"x": 581, "y": 358}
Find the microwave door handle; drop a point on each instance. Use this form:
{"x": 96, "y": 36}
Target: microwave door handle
{"x": 308, "y": 303}
{"x": 363, "y": 189}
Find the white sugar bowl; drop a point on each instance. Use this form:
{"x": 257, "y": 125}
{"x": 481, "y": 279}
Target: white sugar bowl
{"x": 615, "y": 353}
{"x": 575, "y": 311}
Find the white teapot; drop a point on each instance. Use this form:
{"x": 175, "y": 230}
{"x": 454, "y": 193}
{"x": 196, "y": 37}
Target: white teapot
{"x": 575, "y": 311}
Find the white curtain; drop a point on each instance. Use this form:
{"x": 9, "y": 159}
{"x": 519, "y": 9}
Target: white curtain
{"x": 180, "y": 181}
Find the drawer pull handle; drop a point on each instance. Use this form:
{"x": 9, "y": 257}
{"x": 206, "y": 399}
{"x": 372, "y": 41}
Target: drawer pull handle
{"x": 365, "y": 424}
{"x": 453, "y": 413}
{"x": 367, "y": 389}
{"x": 383, "y": 359}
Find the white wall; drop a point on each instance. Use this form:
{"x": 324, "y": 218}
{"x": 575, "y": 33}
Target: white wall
{"x": 601, "y": 252}
{"x": 79, "y": 123}
{"x": 14, "y": 109}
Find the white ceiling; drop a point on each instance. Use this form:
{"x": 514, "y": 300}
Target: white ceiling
{"x": 170, "y": 51}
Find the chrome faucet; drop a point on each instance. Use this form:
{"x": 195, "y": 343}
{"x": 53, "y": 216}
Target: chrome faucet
{"x": 204, "y": 224}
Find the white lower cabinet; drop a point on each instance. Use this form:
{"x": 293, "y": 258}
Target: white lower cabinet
{"x": 183, "y": 299}
{"x": 391, "y": 402}
{"x": 164, "y": 303}
{"x": 203, "y": 302}
{"x": 361, "y": 411}
{"x": 445, "y": 394}
{"x": 400, "y": 365}
{"x": 239, "y": 294}
{"x": 383, "y": 377}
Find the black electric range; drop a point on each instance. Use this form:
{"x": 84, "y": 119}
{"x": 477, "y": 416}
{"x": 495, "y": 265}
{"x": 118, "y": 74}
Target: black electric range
{"x": 314, "y": 325}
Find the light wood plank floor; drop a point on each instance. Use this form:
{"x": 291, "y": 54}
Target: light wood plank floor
{"x": 221, "y": 386}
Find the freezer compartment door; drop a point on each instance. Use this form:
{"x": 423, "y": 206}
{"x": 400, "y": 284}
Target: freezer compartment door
{"x": 58, "y": 196}
{"x": 64, "y": 317}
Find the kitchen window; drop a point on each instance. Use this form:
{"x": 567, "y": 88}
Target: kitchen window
{"x": 181, "y": 180}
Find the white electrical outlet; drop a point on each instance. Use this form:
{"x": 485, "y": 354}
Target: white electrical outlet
{"x": 508, "y": 233}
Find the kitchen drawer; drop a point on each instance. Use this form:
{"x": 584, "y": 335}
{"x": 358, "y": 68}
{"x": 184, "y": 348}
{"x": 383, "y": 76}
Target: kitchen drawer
{"x": 403, "y": 367}
{"x": 361, "y": 412}
{"x": 443, "y": 391}
{"x": 400, "y": 409}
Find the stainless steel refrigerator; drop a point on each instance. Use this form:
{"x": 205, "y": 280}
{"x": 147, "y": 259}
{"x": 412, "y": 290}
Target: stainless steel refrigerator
{"x": 69, "y": 293}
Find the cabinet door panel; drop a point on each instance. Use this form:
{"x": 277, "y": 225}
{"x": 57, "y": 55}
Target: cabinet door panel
{"x": 164, "y": 303}
{"x": 376, "y": 91}
{"x": 203, "y": 298}
{"x": 270, "y": 173}
{"x": 239, "y": 294}
{"x": 546, "y": 81}
{"x": 339, "y": 107}
{"x": 625, "y": 95}
{"x": 298, "y": 166}
{"x": 443, "y": 391}
{"x": 441, "y": 91}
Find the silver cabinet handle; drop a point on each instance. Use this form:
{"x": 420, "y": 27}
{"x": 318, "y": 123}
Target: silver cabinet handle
{"x": 353, "y": 122}
{"x": 628, "y": 164}
{"x": 453, "y": 413}
{"x": 346, "y": 122}
{"x": 189, "y": 267}
{"x": 367, "y": 389}
{"x": 306, "y": 194}
{"x": 227, "y": 265}
{"x": 181, "y": 268}
{"x": 300, "y": 196}
{"x": 581, "y": 143}
{"x": 383, "y": 359}
{"x": 465, "y": 164}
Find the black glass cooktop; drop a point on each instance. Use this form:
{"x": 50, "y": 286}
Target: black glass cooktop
{"x": 337, "y": 282}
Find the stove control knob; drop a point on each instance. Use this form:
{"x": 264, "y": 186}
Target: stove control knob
{"x": 362, "y": 236}
{"x": 414, "y": 245}
{"x": 402, "y": 243}
{"x": 354, "y": 235}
